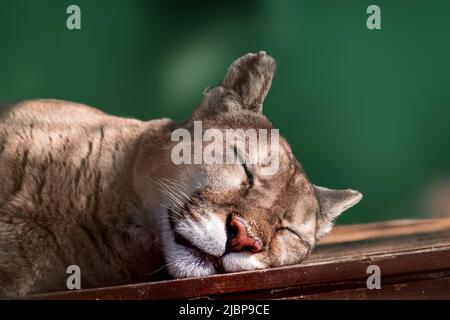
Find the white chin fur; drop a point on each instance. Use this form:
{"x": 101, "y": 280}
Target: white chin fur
{"x": 210, "y": 236}
{"x": 183, "y": 264}
{"x": 241, "y": 261}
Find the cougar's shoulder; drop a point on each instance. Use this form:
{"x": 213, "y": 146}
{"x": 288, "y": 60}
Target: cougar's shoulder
{"x": 65, "y": 171}
{"x": 37, "y": 136}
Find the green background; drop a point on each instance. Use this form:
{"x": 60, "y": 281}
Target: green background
{"x": 367, "y": 109}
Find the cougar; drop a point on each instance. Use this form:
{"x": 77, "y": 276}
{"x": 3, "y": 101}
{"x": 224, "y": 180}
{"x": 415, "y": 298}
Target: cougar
{"x": 80, "y": 187}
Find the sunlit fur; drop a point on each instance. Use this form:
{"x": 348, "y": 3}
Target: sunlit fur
{"x": 80, "y": 187}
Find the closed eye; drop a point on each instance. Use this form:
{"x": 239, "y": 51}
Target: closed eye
{"x": 249, "y": 174}
{"x": 301, "y": 239}
{"x": 287, "y": 229}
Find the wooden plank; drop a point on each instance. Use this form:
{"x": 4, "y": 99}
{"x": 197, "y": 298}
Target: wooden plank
{"x": 352, "y": 289}
{"x": 421, "y": 261}
{"x": 402, "y": 243}
{"x": 334, "y": 266}
{"x": 358, "y": 232}
{"x": 438, "y": 288}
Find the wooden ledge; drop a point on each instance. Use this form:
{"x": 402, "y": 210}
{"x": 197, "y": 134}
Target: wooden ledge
{"x": 413, "y": 255}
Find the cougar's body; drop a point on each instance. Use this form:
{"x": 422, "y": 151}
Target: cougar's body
{"x": 66, "y": 197}
{"x": 110, "y": 196}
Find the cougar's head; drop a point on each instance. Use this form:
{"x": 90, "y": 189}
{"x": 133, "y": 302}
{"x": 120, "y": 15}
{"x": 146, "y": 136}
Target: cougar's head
{"x": 228, "y": 192}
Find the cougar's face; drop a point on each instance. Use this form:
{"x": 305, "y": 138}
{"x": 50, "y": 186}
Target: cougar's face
{"x": 238, "y": 216}
{"x": 257, "y": 211}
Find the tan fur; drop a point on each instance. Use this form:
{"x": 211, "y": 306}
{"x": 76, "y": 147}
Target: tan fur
{"x": 66, "y": 197}
{"x": 82, "y": 187}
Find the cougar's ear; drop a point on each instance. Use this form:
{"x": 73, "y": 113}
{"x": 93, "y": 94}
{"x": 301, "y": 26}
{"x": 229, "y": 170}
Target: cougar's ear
{"x": 250, "y": 77}
{"x": 332, "y": 203}
{"x": 244, "y": 88}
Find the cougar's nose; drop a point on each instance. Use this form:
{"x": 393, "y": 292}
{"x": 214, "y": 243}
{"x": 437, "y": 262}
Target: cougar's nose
{"x": 238, "y": 239}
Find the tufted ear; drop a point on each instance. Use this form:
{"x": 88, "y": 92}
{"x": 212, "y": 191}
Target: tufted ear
{"x": 250, "y": 77}
{"x": 332, "y": 203}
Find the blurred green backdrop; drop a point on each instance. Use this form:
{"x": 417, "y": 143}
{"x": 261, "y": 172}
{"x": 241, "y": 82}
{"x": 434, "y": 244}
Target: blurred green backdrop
{"x": 363, "y": 109}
